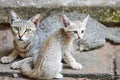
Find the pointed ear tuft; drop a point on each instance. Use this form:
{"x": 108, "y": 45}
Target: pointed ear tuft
{"x": 84, "y": 22}
{"x": 12, "y": 16}
{"x": 65, "y": 20}
{"x": 36, "y": 19}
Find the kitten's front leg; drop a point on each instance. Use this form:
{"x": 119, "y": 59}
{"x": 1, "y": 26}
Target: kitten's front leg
{"x": 71, "y": 60}
{"x": 17, "y": 65}
{"x": 9, "y": 58}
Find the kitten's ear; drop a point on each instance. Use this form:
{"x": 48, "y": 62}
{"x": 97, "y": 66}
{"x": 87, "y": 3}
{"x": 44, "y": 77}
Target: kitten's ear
{"x": 12, "y": 16}
{"x": 84, "y": 22}
{"x": 36, "y": 19}
{"x": 65, "y": 20}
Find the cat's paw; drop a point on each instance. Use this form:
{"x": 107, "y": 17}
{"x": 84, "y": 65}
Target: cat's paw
{"x": 16, "y": 65}
{"x": 6, "y": 59}
{"x": 76, "y": 65}
{"x": 58, "y": 76}
{"x": 84, "y": 48}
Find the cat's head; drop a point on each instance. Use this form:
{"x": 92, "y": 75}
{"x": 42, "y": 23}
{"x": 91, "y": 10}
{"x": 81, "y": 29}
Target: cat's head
{"x": 23, "y": 30}
{"x": 74, "y": 29}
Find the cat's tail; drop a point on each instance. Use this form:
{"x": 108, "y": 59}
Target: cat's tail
{"x": 27, "y": 71}
{"x": 113, "y": 34}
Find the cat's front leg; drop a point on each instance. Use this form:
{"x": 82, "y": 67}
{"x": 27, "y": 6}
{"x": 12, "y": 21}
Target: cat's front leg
{"x": 9, "y": 58}
{"x": 17, "y": 65}
{"x": 71, "y": 60}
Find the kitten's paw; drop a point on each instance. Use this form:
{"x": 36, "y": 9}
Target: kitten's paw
{"x": 84, "y": 48}
{"x": 16, "y": 65}
{"x": 58, "y": 76}
{"x": 6, "y": 59}
{"x": 76, "y": 65}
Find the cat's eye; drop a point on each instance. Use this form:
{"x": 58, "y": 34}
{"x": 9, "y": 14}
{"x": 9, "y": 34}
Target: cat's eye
{"x": 16, "y": 28}
{"x": 75, "y": 32}
{"x": 28, "y": 30}
{"x": 82, "y": 31}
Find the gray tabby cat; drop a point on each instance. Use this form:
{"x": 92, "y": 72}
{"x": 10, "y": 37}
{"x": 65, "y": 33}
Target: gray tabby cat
{"x": 95, "y": 34}
{"x": 47, "y": 63}
{"x": 24, "y": 32}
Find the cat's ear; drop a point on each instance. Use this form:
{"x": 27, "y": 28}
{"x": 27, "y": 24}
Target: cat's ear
{"x": 65, "y": 20}
{"x": 84, "y": 22}
{"x": 12, "y": 16}
{"x": 36, "y": 19}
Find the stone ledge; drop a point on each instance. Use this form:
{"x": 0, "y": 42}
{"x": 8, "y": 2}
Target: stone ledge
{"x": 106, "y": 14}
{"x": 117, "y": 64}
{"x": 54, "y": 3}
{"x": 97, "y": 64}
{"x": 6, "y": 71}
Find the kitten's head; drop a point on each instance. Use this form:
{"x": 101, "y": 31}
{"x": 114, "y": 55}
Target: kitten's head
{"x": 74, "y": 28}
{"x": 23, "y": 30}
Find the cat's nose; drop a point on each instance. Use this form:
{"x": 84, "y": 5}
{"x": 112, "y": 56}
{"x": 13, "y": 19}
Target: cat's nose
{"x": 20, "y": 39}
{"x": 78, "y": 37}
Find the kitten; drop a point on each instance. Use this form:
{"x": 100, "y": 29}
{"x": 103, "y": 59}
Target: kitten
{"x": 23, "y": 32}
{"x": 47, "y": 63}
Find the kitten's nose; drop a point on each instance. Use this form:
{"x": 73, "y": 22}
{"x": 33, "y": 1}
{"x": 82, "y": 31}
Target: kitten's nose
{"x": 78, "y": 37}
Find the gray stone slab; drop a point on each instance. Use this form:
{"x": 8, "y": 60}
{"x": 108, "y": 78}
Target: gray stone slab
{"x": 22, "y": 78}
{"x": 54, "y": 3}
{"x": 117, "y": 62}
{"x": 6, "y": 41}
{"x": 103, "y": 10}
{"x": 97, "y": 64}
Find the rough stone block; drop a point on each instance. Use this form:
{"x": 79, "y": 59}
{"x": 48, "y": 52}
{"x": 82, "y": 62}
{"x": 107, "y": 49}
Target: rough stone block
{"x": 117, "y": 63}
{"x": 103, "y": 10}
{"x": 6, "y": 41}
{"x": 96, "y": 64}
{"x": 54, "y": 3}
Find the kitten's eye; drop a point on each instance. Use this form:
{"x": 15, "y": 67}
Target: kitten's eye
{"x": 16, "y": 28}
{"x": 82, "y": 31}
{"x": 75, "y": 32}
{"x": 28, "y": 30}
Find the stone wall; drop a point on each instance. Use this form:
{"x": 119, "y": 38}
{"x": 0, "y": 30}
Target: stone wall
{"x": 106, "y": 11}
{"x": 54, "y": 3}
